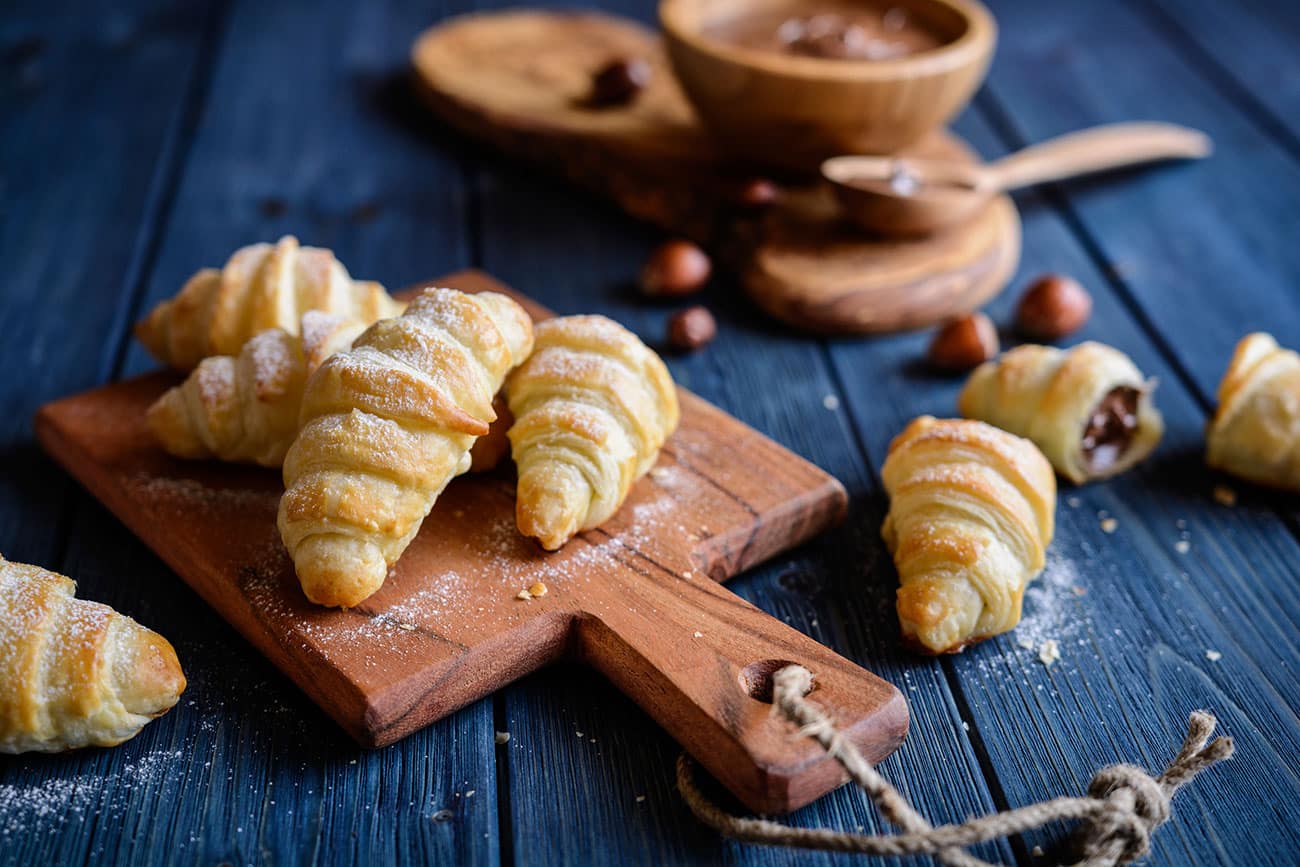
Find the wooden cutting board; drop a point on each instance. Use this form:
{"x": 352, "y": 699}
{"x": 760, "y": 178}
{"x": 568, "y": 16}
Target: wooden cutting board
{"x": 636, "y": 598}
{"x": 518, "y": 80}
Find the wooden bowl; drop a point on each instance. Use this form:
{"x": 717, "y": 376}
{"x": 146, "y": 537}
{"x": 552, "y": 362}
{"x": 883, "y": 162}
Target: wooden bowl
{"x": 790, "y": 111}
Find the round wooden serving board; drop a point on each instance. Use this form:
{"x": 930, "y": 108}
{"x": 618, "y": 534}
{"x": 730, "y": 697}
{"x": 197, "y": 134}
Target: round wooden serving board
{"x": 519, "y": 81}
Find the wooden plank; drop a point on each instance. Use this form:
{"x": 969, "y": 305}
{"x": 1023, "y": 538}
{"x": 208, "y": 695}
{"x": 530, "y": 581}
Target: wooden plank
{"x": 75, "y": 215}
{"x": 1245, "y": 50}
{"x": 88, "y": 163}
{"x": 1200, "y": 282}
{"x": 1205, "y": 251}
{"x": 306, "y": 131}
{"x": 1135, "y": 637}
{"x": 776, "y": 382}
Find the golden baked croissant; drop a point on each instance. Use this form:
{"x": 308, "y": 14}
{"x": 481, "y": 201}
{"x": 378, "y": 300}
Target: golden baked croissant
{"x": 245, "y": 407}
{"x": 385, "y": 426}
{"x": 262, "y": 286}
{"x": 1255, "y": 432}
{"x": 971, "y": 514}
{"x": 592, "y": 407}
{"x": 488, "y": 450}
{"x": 1088, "y": 408}
{"x": 75, "y": 673}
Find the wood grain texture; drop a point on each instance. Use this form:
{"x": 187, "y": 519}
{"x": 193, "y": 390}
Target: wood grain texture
{"x": 633, "y": 598}
{"x": 52, "y": 200}
{"x": 1134, "y": 616}
{"x": 1185, "y": 241}
{"x": 1234, "y": 50}
{"x": 518, "y": 80}
{"x": 307, "y": 129}
{"x": 249, "y": 771}
{"x": 830, "y": 589}
{"x": 784, "y": 111}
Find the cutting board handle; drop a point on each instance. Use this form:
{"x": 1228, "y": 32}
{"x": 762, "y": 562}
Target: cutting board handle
{"x": 699, "y": 660}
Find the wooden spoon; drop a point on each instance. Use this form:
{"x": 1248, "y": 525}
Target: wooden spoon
{"x": 893, "y": 196}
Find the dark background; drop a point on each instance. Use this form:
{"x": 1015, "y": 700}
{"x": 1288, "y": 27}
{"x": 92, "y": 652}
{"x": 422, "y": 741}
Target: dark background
{"x": 142, "y": 141}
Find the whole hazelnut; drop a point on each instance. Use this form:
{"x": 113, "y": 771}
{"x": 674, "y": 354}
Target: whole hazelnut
{"x": 757, "y": 193}
{"x": 692, "y": 328}
{"x": 618, "y": 82}
{"x": 964, "y": 343}
{"x": 1052, "y": 307}
{"x": 675, "y": 269}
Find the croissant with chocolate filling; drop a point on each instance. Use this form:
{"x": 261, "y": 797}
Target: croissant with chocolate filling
{"x": 1088, "y": 408}
{"x": 245, "y": 407}
{"x": 592, "y": 406}
{"x": 75, "y": 673}
{"x": 971, "y": 514}
{"x": 1255, "y": 432}
{"x": 385, "y": 426}
{"x": 262, "y": 286}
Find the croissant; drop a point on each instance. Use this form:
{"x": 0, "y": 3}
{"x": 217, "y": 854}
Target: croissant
{"x": 488, "y": 450}
{"x": 75, "y": 673}
{"x": 262, "y": 286}
{"x": 971, "y": 514}
{"x": 592, "y": 407}
{"x": 1088, "y": 408}
{"x": 1255, "y": 432}
{"x": 385, "y": 426}
{"x": 245, "y": 407}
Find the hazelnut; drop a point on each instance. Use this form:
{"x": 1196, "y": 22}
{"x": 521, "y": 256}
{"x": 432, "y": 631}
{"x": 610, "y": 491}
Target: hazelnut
{"x": 757, "y": 193}
{"x": 675, "y": 269}
{"x": 618, "y": 82}
{"x": 964, "y": 343}
{"x": 692, "y": 328}
{"x": 1052, "y": 307}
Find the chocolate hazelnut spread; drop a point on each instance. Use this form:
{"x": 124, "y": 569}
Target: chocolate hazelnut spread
{"x": 1110, "y": 429}
{"x": 837, "y": 32}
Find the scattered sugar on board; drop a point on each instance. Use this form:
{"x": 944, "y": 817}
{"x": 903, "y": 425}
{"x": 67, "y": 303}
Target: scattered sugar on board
{"x": 188, "y": 495}
{"x": 509, "y": 562}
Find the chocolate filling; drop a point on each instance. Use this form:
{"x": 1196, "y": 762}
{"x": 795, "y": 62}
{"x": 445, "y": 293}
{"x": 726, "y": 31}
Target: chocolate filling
{"x": 836, "y": 30}
{"x": 1110, "y": 429}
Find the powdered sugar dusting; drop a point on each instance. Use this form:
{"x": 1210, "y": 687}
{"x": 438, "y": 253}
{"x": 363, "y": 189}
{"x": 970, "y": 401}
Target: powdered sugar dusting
{"x": 58, "y": 801}
{"x": 1048, "y": 615}
{"x": 187, "y": 495}
{"x": 459, "y": 580}
{"x": 215, "y": 380}
{"x": 274, "y": 356}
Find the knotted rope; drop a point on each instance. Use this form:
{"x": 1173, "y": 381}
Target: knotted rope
{"x": 1123, "y": 807}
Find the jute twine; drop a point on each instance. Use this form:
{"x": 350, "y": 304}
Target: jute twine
{"x": 1123, "y": 807}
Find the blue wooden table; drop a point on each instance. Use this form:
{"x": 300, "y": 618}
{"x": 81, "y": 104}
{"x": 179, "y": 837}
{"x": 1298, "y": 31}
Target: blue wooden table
{"x": 141, "y": 141}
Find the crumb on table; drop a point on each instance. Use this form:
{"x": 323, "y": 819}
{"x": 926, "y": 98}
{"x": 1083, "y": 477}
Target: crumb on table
{"x": 1049, "y": 652}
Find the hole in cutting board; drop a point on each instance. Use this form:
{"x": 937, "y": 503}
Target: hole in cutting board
{"x": 756, "y": 678}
